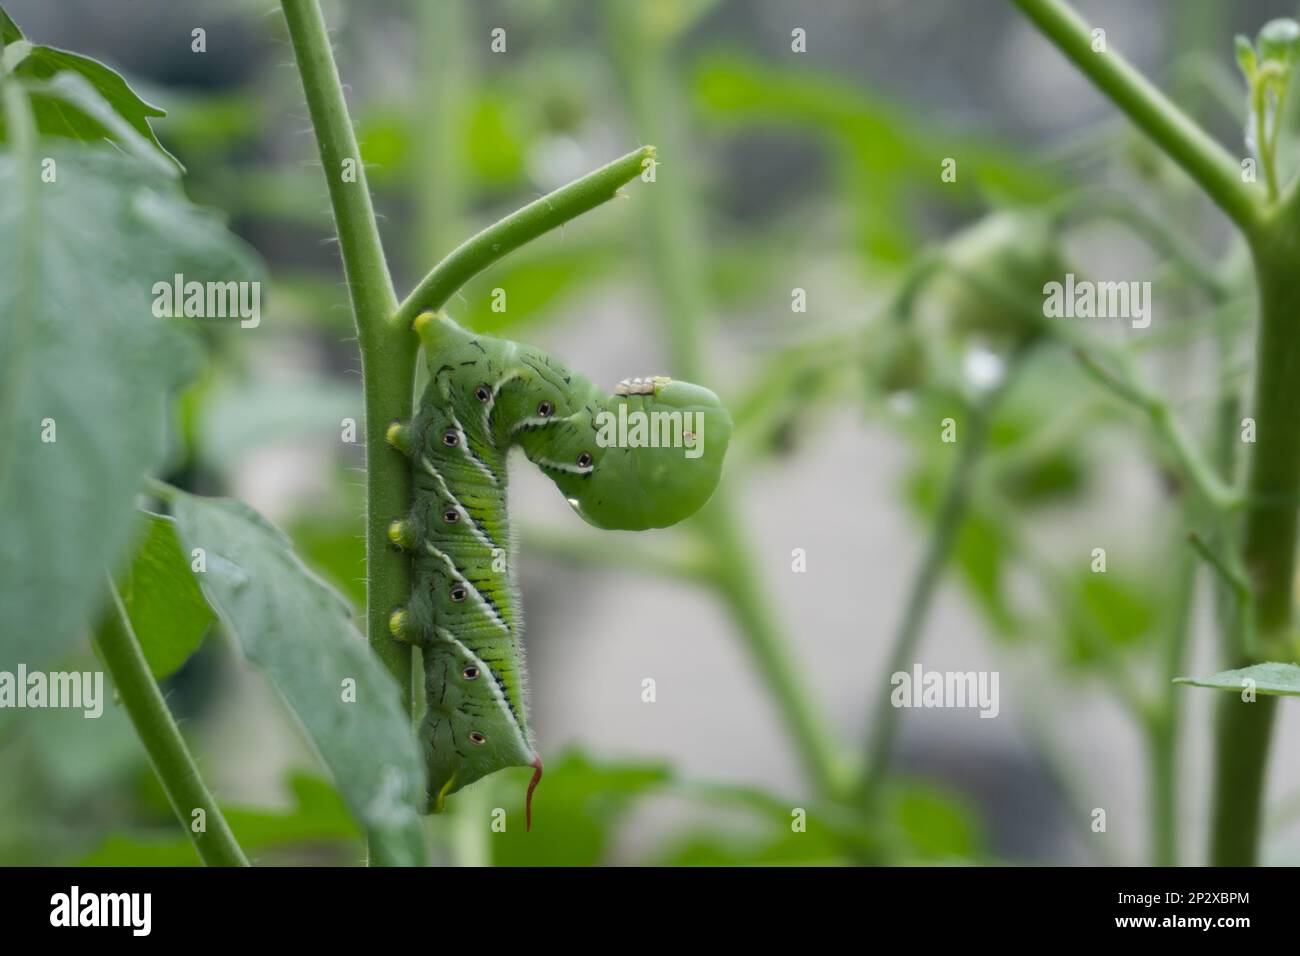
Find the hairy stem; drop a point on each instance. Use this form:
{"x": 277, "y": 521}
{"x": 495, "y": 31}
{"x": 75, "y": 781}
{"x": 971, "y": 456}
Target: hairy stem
{"x": 506, "y": 235}
{"x": 519, "y": 228}
{"x": 162, "y": 739}
{"x": 1208, "y": 163}
{"x": 1268, "y": 546}
{"x": 387, "y": 356}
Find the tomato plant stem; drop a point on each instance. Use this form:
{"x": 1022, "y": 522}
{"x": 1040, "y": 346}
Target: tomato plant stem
{"x": 157, "y": 730}
{"x": 1207, "y": 162}
{"x": 1244, "y": 728}
{"x": 1268, "y": 538}
{"x": 387, "y": 356}
{"x": 520, "y": 227}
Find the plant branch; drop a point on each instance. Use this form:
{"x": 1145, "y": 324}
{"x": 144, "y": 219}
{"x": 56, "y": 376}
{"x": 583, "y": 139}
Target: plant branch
{"x": 503, "y": 237}
{"x": 162, "y": 739}
{"x": 1186, "y": 143}
{"x": 1230, "y": 575}
{"x": 1161, "y": 236}
{"x": 387, "y": 356}
{"x": 1190, "y": 461}
{"x": 1244, "y": 730}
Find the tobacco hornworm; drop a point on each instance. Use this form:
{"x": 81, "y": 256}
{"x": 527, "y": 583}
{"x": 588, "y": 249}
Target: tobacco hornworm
{"x": 645, "y": 457}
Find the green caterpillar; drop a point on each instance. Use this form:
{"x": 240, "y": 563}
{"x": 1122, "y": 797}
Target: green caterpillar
{"x": 645, "y": 457}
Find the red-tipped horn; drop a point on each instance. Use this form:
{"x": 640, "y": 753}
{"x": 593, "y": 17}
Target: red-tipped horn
{"x": 532, "y": 785}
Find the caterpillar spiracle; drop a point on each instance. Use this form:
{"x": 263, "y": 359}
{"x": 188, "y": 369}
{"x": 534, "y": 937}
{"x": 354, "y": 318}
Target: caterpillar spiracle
{"x": 485, "y": 396}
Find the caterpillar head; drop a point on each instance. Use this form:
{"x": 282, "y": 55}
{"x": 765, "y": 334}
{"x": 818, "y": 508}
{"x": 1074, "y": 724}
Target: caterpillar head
{"x": 646, "y": 457}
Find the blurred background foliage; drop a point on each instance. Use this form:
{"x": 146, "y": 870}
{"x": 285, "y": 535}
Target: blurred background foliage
{"x": 819, "y": 171}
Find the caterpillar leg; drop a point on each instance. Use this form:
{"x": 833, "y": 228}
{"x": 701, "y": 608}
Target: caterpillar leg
{"x": 438, "y": 332}
{"x": 399, "y": 436}
{"x": 399, "y": 625}
{"x": 425, "y": 321}
{"x": 402, "y": 534}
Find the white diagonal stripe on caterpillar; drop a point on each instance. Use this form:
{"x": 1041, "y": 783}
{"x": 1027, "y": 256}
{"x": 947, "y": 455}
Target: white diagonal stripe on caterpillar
{"x": 487, "y": 605}
{"x": 492, "y": 402}
{"x": 572, "y": 469}
{"x": 469, "y": 452}
{"x": 537, "y": 421}
{"x": 483, "y": 536}
{"x": 497, "y": 693}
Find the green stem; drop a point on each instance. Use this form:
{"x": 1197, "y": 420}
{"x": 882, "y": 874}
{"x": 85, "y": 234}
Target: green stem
{"x": 1273, "y": 480}
{"x": 1160, "y": 235}
{"x": 1268, "y": 546}
{"x": 162, "y": 739}
{"x": 387, "y": 354}
{"x": 1208, "y": 163}
{"x": 1192, "y": 464}
{"x": 505, "y": 236}
{"x": 953, "y": 508}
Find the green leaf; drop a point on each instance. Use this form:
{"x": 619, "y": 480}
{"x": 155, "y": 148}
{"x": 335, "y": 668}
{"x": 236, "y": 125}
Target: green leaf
{"x": 72, "y": 98}
{"x": 76, "y": 116}
{"x": 1246, "y": 57}
{"x": 9, "y": 32}
{"x": 300, "y": 633}
{"x": 935, "y": 824}
{"x": 166, "y": 607}
{"x": 1110, "y": 611}
{"x": 83, "y": 360}
{"x": 1282, "y": 680}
